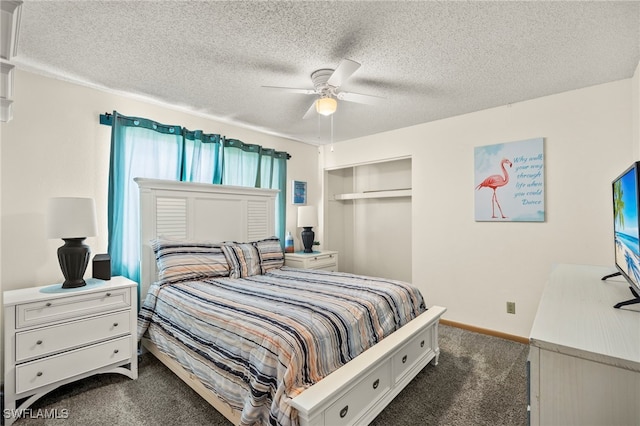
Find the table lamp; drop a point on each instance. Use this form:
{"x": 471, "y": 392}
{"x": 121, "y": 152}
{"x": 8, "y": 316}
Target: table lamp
{"x": 73, "y": 220}
{"x": 307, "y": 219}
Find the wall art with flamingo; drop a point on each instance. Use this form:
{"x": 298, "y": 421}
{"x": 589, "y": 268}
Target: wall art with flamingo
{"x": 509, "y": 181}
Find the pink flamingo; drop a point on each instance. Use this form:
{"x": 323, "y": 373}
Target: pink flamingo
{"x": 494, "y": 182}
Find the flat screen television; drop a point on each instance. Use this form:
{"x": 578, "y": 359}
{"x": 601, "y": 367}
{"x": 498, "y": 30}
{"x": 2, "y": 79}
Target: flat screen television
{"x": 626, "y": 227}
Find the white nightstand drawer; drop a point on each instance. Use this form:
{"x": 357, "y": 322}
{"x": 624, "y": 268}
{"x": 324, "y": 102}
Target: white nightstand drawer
{"x": 325, "y": 260}
{"x": 321, "y": 261}
{"x": 57, "y": 309}
{"x": 47, "y": 340}
{"x": 35, "y": 374}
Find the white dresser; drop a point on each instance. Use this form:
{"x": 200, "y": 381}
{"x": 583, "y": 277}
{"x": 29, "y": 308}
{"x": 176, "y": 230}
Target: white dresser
{"x": 325, "y": 260}
{"x": 54, "y": 336}
{"x": 584, "y": 360}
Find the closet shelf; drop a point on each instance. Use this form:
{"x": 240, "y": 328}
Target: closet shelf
{"x": 373, "y": 194}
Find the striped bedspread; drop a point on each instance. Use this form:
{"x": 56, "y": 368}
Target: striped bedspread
{"x": 259, "y": 341}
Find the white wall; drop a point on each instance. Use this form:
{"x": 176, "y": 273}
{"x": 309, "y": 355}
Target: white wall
{"x": 55, "y": 146}
{"x": 474, "y": 268}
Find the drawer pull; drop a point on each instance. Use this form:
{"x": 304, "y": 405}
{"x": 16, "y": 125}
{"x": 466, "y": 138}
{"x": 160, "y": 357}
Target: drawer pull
{"x": 422, "y": 344}
{"x": 108, "y": 294}
{"x": 344, "y": 411}
{"x": 115, "y": 351}
{"x": 376, "y": 384}
{"x": 39, "y": 373}
{"x": 404, "y": 359}
{"x": 115, "y": 324}
{"x": 47, "y": 304}
{"x": 39, "y": 342}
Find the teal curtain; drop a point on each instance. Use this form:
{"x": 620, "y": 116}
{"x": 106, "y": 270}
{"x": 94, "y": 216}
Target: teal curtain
{"x": 241, "y": 163}
{"x": 144, "y": 148}
{"x": 202, "y": 157}
{"x": 273, "y": 174}
{"x": 139, "y": 148}
{"x": 252, "y": 165}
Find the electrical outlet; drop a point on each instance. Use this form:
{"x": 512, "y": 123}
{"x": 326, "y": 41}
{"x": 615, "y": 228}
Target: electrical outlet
{"x": 511, "y": 307}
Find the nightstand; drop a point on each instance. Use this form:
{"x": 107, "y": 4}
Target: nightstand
{"x": 325, "y": 260}
{"x": 55, "y": 336}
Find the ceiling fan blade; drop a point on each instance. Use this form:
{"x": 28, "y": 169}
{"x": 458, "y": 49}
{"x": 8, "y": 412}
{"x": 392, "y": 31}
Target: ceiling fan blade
{"x": 291, "y": 90}
{"x": 310, "y": 112}
{"x": 359, "y": 98}
{"x": 343, "y": 72}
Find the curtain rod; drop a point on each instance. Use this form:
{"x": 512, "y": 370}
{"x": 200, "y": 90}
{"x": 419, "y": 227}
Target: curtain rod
{"x": 107, "y": 120}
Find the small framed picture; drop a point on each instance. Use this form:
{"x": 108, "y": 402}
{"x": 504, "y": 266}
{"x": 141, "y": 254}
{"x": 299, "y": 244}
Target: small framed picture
{"x": 298, "y": 192}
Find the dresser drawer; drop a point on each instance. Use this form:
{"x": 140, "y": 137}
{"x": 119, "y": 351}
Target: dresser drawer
{"x": 359, "y": 398}
{"x": 42, "y": 372}
{"x": 58, "y": 309}
{"x": 321, "y": 261}
{"x": 410, "y": 353}
{"x": 48, "y": 340}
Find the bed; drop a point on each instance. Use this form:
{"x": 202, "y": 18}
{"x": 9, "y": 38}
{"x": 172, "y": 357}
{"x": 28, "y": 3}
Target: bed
{"x": 369, "y": 367}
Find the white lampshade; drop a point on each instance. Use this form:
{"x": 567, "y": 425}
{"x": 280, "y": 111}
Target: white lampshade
{"x": 307, "y": 216}
{"x": 326, "y": 106}
{"x": 70, "y": 217}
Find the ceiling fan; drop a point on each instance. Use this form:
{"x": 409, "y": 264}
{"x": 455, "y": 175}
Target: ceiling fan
{"x": 326, "y": 85}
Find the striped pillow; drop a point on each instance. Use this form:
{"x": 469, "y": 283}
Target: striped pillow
{"x": 189, "y": 260}
{"x": 243, "y": 259}
{"x": 270, "y": 252}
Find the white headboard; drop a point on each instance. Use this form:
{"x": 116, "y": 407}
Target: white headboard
{"x": 199, "y": 211}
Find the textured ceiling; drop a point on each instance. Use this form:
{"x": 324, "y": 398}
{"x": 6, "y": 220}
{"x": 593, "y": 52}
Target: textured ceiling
{"x": 428, "y": 60}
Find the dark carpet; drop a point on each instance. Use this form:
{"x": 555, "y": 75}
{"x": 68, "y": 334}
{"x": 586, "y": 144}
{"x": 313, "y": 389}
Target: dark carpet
{"x": 479, "y": 380}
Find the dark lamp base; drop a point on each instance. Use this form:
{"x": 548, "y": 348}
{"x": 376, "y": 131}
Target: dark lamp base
{"x": 73, "y": 257}
{"x": 307, "y": 239}
{"x": 73, "y": 284}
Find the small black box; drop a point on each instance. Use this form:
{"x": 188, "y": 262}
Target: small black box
{"x": 102, "y": 266}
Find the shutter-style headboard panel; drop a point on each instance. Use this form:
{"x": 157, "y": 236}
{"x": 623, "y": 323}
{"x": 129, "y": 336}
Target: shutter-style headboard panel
{"x": 257, "y": 222}
{"x": 198, "y": 211}
{"x": 171, "y": 217}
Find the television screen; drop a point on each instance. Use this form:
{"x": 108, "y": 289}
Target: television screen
{"x": 626, "y": 226}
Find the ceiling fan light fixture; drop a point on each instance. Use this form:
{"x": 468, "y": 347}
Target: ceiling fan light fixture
{"x": 326, "y": 106}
